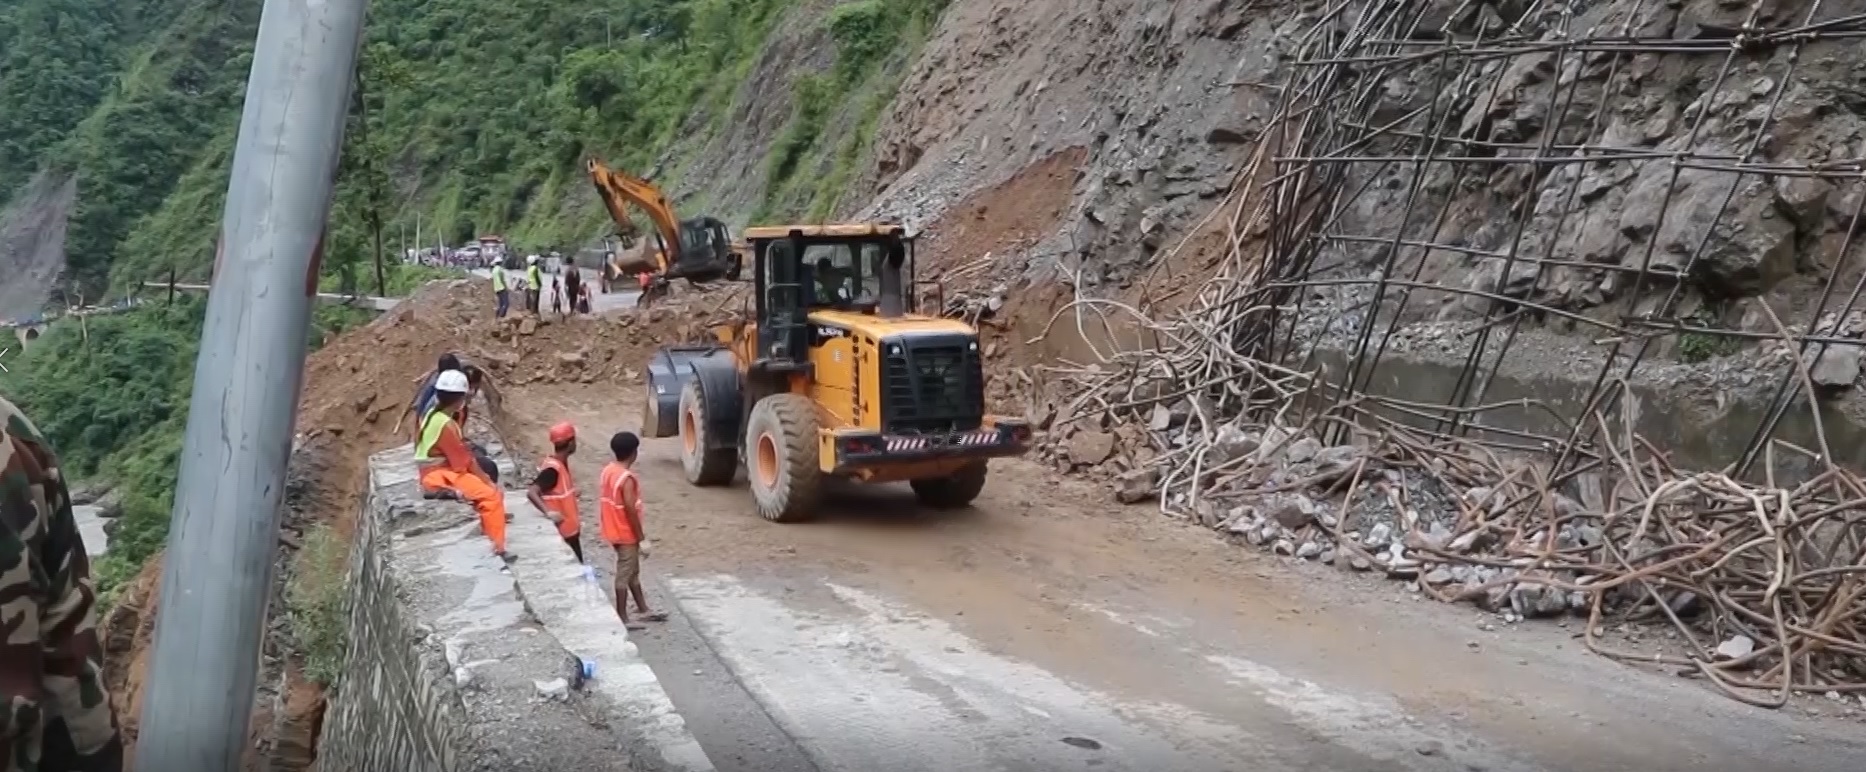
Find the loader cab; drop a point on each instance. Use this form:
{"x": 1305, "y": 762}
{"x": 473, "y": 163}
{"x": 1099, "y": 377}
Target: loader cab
{"x": 860, "y": 268}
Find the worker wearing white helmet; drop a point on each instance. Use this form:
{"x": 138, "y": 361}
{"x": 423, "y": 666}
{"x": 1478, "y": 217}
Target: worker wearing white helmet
{"x": 446, "y": 463}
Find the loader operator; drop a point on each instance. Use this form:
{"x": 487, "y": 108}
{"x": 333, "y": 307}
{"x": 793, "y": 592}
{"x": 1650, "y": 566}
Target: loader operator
{"x": 445, "y": 462}
{"x": 830, "y": 282}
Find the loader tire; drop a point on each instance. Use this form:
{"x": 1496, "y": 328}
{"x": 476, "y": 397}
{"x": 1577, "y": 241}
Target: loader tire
{"x": 952, "y": 491}
{"x": 781, "y": 458}
{"x": 707, "y": 467}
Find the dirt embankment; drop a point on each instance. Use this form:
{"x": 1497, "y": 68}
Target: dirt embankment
{"x": 32, "y": 243}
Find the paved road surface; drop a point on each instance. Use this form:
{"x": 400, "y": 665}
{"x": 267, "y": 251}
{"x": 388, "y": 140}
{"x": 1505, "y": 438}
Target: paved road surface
{"x": 599, "y": 302}
{"x": 1046, "y": 629}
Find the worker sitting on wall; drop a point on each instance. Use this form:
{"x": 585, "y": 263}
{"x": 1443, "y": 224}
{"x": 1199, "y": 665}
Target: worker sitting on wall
{"x": 445, "y": 462}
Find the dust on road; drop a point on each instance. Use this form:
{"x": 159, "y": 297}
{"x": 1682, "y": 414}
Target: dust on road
{"x": 1049, "y": 605}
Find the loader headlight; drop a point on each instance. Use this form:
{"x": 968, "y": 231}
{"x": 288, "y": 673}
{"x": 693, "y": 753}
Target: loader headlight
{"x": 894, "y": 351}
{"x": 973, "y": 346}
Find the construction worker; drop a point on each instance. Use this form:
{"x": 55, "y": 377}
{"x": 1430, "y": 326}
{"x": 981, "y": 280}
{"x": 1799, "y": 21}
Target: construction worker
{"x": 554, "y": 492}
{"x": 621, "y": 515}
{"x": 424, "y": 397}
{"x": 55, "y": 712}
{"x": 534, "y": 283}
{"x": 583, "y": 302}
{"x": 446, "y": 463}
{"x": 500, "y": 291}
{"x": 573, "y": 284}
{"x": 557, "y": 297}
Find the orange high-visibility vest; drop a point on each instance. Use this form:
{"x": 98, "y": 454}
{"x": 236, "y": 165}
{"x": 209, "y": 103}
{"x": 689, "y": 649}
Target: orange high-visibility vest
{"x": 619, "y": 484}
{"x": 562, "y": 498}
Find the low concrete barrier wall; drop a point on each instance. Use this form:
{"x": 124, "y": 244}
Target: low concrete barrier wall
{"x": 459, "y": 662}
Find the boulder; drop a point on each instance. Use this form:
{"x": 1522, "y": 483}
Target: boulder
{"x": 1290, "y": 510}
{"x": 1302, "y": 450}
{"x": 1836, "y": 368}
{"x": 1233, "y": 442}
{"x": 1136, "y": 486}
{"x": 1090, "y": 447}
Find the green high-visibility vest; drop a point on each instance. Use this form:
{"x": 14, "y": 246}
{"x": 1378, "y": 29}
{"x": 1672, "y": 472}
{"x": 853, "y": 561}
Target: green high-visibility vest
{"x": 431, "y": 428}
{"x": 533, "y": 277}
{"x": 498, "y": 278}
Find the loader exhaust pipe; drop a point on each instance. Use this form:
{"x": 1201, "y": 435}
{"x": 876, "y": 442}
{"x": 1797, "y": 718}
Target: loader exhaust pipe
{"x": 893, "y": 303}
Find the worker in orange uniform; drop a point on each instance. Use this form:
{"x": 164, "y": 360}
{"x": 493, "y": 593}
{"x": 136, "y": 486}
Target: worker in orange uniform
{"x": 554, "y": 492}
{"x": 445, "y": 462}
{"x": 621, "y": 514}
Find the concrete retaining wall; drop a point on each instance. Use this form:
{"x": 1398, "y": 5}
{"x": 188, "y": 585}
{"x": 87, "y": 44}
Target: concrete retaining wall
{"x": 455, "y": 658}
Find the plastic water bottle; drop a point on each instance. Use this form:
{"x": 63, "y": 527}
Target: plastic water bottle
{"x": 592, "y": 596}
{"x": 593, "y": 590}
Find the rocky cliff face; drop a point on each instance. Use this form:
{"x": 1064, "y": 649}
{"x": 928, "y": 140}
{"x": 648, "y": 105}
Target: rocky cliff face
{"x": 1161, "y": 98}
{"x": 1633, "y": 138}
{"x": 32, "y": 243}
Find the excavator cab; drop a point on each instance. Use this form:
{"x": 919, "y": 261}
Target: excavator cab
{"x": 705, "y": 253}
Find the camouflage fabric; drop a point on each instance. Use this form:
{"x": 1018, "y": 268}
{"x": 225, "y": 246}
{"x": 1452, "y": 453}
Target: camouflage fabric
{"x": 54, "y": 713}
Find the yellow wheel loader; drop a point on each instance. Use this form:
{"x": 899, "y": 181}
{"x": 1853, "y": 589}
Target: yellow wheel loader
{"x": 831, "y": 373}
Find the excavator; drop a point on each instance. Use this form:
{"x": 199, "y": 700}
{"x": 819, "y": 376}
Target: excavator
{"x": 699, "y": 249}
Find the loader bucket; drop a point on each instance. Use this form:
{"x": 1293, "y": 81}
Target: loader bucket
{"x": 669, "y": 370}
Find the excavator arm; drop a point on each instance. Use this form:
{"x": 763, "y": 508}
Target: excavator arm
{"x": 618, "y": 189}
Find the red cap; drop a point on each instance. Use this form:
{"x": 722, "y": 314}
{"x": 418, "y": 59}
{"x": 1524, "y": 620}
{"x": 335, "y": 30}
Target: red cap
{"x": 562, "y": 433}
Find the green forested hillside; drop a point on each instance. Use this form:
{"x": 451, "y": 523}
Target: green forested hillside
{"x": 471, "y": 115}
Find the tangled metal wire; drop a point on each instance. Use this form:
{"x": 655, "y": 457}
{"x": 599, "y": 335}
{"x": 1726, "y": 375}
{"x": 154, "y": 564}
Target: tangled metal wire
{"x": 1759, "y": 575}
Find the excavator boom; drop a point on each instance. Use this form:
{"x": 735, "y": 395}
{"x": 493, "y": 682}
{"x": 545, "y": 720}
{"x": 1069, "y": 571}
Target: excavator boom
{"x": 618, "y": 189}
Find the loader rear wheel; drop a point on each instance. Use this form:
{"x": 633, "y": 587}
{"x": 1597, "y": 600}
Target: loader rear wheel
{"x": 952, "y": 491}
{"x": 704, "y": 466}
{"x": 781, "y": 457}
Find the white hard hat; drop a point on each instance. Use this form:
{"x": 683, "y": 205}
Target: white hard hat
{"x": 531, "y": 258}
{"x": 452, "y": 382}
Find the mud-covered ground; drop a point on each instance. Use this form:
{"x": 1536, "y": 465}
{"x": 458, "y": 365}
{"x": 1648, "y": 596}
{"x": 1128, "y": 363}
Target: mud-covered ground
{"x": 1053, "y": 628}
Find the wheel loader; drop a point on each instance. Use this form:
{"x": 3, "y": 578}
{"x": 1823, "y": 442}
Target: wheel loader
{"x": 831, "y": 373}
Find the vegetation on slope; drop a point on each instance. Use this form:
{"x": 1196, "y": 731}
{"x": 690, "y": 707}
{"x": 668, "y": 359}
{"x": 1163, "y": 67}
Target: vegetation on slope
{"x": 479, "y": 114}
{"x": 875, "y": 42}
{"x": 111, "y": 394}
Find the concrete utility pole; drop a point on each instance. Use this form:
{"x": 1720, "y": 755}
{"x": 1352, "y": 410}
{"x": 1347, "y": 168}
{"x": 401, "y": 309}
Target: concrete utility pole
{"x": 218, "y": 575}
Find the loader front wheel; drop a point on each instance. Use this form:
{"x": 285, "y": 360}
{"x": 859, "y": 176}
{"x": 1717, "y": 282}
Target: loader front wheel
{"x": 705, "y": 466}
{"x": 781, "y": 457}
{"x": 952, "y": 491}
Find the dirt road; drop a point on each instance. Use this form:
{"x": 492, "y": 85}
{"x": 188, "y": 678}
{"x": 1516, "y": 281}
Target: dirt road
{"x": 1047, "y": 629}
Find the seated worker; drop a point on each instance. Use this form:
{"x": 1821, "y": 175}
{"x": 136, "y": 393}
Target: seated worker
{"x": 829, "y": 283}
{"x": 427, "y": 399}
{"x": 554, "y": 492}
{"x": 445, "y": 463}
{"x": 424, "y": 397}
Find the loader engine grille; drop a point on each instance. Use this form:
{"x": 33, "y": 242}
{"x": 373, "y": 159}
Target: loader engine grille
{"x": 931, "y": 384}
